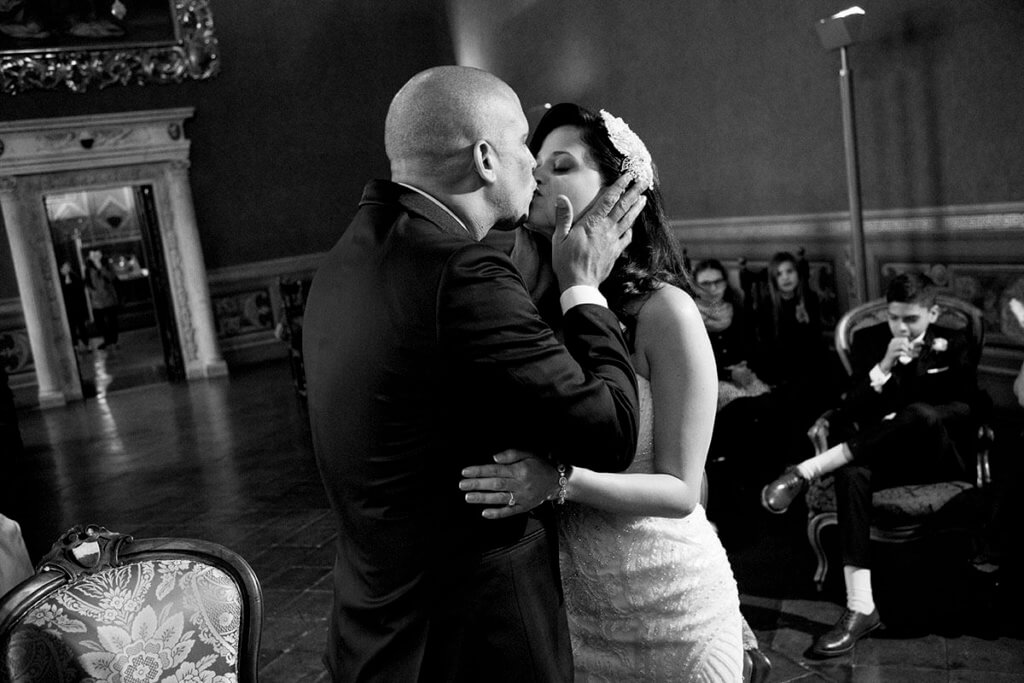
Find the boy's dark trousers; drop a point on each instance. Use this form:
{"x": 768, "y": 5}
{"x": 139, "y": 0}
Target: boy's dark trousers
{"x": 920, "y": 444}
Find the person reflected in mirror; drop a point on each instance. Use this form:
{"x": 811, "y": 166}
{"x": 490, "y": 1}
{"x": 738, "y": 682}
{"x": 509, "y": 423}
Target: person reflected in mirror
{"x": 648, "y": 587}
{"x": 72, "y": 288}
{"x": 101, "y": 282}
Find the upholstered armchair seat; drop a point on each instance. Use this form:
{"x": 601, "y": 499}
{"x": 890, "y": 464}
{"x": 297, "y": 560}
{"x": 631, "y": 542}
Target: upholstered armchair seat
{"x": 896, "y": 505}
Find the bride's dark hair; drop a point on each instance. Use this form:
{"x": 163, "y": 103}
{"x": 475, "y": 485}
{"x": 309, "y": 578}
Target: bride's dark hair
{"x": 652, "y": 257}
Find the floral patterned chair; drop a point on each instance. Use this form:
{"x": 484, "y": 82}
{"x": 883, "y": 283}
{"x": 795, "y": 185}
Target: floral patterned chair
{"x": 104, "y": 607}
{"x": 901, "y": 513}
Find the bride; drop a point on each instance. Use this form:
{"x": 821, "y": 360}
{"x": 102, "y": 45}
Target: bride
{"x": 649, "y": 591}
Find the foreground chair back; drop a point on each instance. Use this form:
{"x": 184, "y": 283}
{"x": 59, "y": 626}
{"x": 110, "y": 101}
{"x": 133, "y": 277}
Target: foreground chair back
{"x": 103, "y": 606}
{"x": 910, "y": 512}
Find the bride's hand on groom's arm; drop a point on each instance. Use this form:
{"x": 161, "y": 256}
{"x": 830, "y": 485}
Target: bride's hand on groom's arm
{"x": 517, "y": 476}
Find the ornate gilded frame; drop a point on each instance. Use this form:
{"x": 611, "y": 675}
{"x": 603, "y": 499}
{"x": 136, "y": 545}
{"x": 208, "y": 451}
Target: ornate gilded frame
{"x": 191, "y": 55}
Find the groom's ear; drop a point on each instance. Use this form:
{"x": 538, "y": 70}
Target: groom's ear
{"x": 485, "y": 161}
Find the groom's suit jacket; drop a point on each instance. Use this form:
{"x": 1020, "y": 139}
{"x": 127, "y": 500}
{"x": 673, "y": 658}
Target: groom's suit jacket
{"x": 424, "y": 354}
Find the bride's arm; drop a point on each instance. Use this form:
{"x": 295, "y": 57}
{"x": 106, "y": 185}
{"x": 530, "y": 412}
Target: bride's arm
{"x": 673, "y": 344}
{"x": 674, "y": 350}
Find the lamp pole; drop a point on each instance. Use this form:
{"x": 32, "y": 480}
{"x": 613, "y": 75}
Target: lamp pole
{"x": 837, "y": 33}
{"x": 860, "y": 271}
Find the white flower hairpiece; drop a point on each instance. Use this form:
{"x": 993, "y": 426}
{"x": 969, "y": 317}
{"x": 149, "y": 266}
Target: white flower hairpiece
{"x": 637, "y": 161}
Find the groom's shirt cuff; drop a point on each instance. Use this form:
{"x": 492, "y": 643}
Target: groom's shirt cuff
{"x": 581, "y": 294}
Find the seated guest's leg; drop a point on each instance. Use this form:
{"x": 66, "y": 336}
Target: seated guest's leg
{"x": 915, "y": 446}
{"x": 777, "y": 496}
{"x": 853, "y": 508}
{"x": 853, "y": 513}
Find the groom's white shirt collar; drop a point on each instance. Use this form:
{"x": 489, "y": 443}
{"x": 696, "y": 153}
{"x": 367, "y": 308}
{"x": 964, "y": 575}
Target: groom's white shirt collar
{"x": 571, "y": 297}
{"x": 433, "y": 199}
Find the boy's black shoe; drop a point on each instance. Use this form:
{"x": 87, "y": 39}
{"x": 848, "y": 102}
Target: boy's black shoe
{"x": 777, "y": 496}
{"x": 850, "y": 628}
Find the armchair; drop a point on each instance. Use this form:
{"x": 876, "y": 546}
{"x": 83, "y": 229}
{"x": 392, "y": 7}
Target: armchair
{"x": 103, "y": 606}
{"x": 909, "y": 512}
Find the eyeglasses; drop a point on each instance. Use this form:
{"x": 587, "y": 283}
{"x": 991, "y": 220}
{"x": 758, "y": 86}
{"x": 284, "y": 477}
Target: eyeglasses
{"x": 708, "y": 284}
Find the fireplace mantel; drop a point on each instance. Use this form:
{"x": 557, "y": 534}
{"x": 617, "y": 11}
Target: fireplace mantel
{"x": 43, "y": 156}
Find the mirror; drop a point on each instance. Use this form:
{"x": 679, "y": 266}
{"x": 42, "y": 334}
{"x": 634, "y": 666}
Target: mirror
{"x": 79, "y": 44}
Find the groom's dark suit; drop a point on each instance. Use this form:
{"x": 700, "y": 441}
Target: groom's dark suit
{"x": 932, "y": 400}
{"x": 424, "y": 354}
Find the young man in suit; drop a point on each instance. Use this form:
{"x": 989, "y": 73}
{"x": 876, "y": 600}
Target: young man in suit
{"x": 911, "y": 405}
{"x": 424, "y": 354}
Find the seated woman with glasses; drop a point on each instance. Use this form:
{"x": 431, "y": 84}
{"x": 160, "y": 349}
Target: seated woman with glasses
{"x": 748, "y": 442}
{"x": 730, "y": 333}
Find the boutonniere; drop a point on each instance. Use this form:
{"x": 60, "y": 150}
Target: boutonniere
{"x": 939, "y": 344}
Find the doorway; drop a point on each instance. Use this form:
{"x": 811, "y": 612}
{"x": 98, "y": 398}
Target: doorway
{"x": 115, "y": 287}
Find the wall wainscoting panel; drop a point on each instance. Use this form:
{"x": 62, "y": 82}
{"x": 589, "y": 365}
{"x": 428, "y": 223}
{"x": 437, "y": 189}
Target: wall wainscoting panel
{"x": 247, "y": 309}
{"x": 247, "y": 306}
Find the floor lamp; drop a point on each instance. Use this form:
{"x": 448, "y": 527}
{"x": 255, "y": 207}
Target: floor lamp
{"x": 838, "y": 32}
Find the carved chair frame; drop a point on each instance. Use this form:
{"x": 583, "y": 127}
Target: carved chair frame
{"x": 86, "y": 550}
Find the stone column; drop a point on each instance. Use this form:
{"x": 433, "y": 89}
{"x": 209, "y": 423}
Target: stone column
{"x": 33, "y": 289}
{"x": 207, "y": 360}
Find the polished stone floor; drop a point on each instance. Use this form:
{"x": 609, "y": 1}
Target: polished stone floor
{"x": 229, "y": 460}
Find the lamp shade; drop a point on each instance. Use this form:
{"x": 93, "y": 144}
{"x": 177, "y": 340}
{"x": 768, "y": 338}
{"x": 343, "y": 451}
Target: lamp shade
{"x": 841, "y": 29}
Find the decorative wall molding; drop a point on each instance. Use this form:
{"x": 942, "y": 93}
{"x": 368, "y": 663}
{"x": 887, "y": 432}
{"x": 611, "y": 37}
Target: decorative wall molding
{"x": 270, "y": 269}
{"x": 983, "y": 219}
{"x": 95, "y": 141}
{"x": 242, "y": 291}
{"x": 975, "y": 251}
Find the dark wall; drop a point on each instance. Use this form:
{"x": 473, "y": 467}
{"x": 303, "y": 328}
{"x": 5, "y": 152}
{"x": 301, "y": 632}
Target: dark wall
{"x": 285, "y": 137}
{"x": 740, "y": 104}
{"x": 737, "y": 101}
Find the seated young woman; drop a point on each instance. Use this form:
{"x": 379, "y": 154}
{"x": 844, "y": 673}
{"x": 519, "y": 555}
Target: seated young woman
{"x": 793, "y": 355}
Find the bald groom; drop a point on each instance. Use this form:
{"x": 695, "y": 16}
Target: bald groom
{"x": 424, "y": 354}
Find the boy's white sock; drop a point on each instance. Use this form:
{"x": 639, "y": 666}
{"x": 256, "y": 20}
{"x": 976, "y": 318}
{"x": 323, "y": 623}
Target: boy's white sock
{"x": 830, "y": 460}
{"x": 859, "y": 597}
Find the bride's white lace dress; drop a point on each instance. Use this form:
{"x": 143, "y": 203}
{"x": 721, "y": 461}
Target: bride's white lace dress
{"x": 649, "y": 598}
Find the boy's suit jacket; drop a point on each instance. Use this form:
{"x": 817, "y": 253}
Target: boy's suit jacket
{"x": 941, "y": 374}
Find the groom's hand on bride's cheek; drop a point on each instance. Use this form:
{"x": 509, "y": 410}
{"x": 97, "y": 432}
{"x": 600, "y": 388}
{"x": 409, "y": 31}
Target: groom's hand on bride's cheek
{"x": 584, "y": 251}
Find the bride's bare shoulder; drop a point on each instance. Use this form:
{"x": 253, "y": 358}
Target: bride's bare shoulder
{"x": 668, "y": 305}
